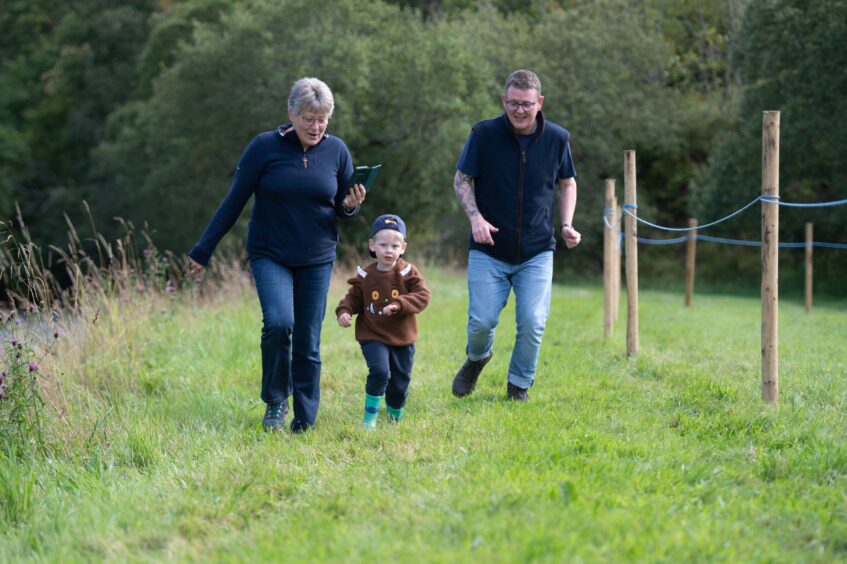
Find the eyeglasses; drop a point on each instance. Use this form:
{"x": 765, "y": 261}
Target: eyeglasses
{"x": 525, "y": 106}
{"x": 309, "y": 121}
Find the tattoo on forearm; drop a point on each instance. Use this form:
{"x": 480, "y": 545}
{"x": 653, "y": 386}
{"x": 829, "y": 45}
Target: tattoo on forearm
{"x": 463, "y": 186}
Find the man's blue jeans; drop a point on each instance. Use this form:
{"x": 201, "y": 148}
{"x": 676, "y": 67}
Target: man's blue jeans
{"x": 489, "y": 283}
{"x": 293, "y": 305}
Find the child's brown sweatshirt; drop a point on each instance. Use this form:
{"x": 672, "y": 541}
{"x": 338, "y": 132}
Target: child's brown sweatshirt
{"x": 371, "y": 290}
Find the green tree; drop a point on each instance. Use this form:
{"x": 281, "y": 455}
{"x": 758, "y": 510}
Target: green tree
{"x": 792, "y": 59}
{"x": 71, "y": 66}
{"x": 605, "y": 79}
{"x": 28, "y": 49}
{"x": 407, "y": 89}
{"x": 170, "y": 28}
{"x": 405, "y": 97}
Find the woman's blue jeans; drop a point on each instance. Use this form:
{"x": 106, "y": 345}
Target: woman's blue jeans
{"x": 489, "y": 283}
{"x": 293, "y": 305}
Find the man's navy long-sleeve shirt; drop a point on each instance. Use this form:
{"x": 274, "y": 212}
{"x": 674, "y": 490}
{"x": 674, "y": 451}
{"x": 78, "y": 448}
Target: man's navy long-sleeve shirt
{"x": 297, "y": 202}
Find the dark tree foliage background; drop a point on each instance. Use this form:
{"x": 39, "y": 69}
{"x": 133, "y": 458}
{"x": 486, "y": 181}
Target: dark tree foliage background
{"x": 141, "y": 108}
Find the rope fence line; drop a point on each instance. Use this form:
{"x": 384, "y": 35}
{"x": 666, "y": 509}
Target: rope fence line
{"x": 812, "y": 205}
{"x": 607, "y": 212}
{"x": 615, "y": 217}
{"x": 741, "y": 242}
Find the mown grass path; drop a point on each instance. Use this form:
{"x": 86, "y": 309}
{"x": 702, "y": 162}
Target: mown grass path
{"x": 671, "y": 457}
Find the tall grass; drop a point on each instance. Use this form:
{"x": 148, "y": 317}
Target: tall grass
{"x": 80, "y": 316}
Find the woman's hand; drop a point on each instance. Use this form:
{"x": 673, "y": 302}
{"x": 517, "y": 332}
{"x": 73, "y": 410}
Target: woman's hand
{"x": 197, "y": 269}
{"x": 354, "y": 197}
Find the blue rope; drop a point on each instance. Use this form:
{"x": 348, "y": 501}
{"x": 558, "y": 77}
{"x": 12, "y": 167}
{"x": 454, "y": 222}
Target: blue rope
{"x": 663, "y": 241}
{"x": 813, "y": 205}
{"x": 738, "y": 242}
{"x": 627, "y": 207}
{"x": 607, "y": 212}
{"x": 730, "y": 241}
{"x": 814, "y": 244}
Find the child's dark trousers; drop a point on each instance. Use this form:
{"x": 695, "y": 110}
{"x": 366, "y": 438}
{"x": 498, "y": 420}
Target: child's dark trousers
{"x": 389, "y": 371}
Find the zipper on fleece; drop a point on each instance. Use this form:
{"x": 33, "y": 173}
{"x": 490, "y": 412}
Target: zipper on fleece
{"x": 519, "y": 207}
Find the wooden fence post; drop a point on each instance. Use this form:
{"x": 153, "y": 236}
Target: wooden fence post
{"x": 609, "y": 246}
{"x": 617, "y": 268}
{"x": 690, "y": 260}
{"x": 809, "y": 279}
{"x": 631, "y": 233}
{"x": 770, "y": 257}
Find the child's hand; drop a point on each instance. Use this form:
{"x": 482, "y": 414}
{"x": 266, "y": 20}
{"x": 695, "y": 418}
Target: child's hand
{"x": 391, "y": 309}
{"x": 344, "y": 319}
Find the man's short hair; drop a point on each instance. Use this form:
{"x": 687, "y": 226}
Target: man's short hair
{"x": 524, "y": 80}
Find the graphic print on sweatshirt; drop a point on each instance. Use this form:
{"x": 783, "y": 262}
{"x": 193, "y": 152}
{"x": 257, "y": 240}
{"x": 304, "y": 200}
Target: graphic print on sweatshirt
{"x": 378, "y": 301}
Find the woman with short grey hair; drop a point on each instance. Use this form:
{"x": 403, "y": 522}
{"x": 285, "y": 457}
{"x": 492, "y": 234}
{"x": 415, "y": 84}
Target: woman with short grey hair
{"x": 298, "y": 175}
{"x": 310, "y": 94}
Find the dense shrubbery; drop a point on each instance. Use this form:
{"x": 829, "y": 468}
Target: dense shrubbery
{"x": 143, "y": 108}
{"x": 792, "y": 59}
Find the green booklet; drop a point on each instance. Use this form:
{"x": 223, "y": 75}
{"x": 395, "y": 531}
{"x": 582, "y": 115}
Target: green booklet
{"x": 365, "y": 175}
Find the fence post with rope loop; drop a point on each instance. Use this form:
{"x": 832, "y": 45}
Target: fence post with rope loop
{"x": 631, "y": 234}
{"x": 770, "y": 257}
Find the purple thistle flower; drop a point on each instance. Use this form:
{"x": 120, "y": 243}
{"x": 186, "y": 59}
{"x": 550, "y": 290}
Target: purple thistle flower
{"x": 147, "y": 252}
{"x": 164, "y": 259}
{"x": 14, "y": 342}
{"x": 33, "y": 367}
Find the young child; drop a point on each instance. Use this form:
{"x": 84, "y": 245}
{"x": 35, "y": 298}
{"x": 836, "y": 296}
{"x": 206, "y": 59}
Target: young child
{"x": 385, "y": 296}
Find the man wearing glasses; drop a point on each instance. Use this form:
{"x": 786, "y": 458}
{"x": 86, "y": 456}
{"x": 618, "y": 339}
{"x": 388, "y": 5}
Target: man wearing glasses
{"x": 511, "y": 171}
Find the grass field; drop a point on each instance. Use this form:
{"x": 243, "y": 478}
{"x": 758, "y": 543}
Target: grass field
{"x": 159, "y": 454}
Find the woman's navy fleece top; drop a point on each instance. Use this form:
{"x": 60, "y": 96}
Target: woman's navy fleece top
{"x": 297, "y": 201}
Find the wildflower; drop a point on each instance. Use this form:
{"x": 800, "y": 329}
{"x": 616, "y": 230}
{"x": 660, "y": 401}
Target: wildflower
{"x": 30, "y": 307}
{"x": 169, "y": 287}
{"x": 14, "y": 342}
{"x": 55, "y": 333}
{"x": 164, "y": 259}
{"x": 141, "y": 287}
{"x": 33, "y": 367}
{"x": 147, "y": 252}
